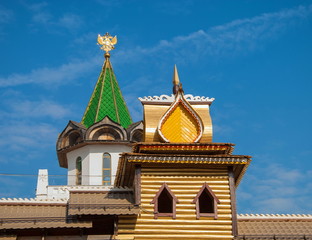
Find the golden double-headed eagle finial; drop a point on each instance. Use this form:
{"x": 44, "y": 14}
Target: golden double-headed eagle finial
{"x": 107, "y": 42}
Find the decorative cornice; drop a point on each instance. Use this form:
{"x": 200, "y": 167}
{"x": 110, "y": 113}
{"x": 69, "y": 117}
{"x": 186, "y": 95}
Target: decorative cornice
{"x": 188, "y": 159}
{"x": 161, "y": 98}
{"x": 247, "y": 217}
{"x": 183, "y": 148}
{"x": 99, "y": 189}
{"x": 169, "y": 99}
{"x": 191, "y": 98}
{"x": 31, "y": 200}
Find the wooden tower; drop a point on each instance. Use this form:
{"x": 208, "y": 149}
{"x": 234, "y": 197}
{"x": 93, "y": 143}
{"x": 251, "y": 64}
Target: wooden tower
{"x": 184, "y": 183}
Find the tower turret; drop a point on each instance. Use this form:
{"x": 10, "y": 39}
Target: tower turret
{"x": 183, "y": 182}
{"x": 90, "y": 150}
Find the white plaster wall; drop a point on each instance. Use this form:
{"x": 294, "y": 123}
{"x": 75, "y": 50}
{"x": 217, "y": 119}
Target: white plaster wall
{"x": 71, "y": 157}
{"x": 92, "y": 162}
{"x": 96, "y": 156}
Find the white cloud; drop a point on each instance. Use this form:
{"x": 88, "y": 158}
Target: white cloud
{"x": 22, "y": 135}
{"x": 174, "y": 7}
{"x": 61, "y": 75}
{"x": 234, "y": 36}
{"x": 70, "y": 21}
{"x": 43, "y": 109}
{"x": 276, "y": 189}
{"x": 109, "y": 3}
{"x": 37, "y": 6}
{"x": 280, "y": 205}
{"x": 42, "y": 18}
{"x": 41, "y": 15}
{"x": 19, "y": 124}
{"x": 267, "y": 18}
{"x": 5, "y": 15}
{"x": 230, "y": 38}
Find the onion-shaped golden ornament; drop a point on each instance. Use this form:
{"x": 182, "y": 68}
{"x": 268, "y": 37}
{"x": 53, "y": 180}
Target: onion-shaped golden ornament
{"x": 181, "y": 123}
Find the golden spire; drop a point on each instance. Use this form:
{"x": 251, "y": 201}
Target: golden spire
{"x": 175, "y": 80}
{"x": 107, "y": 43}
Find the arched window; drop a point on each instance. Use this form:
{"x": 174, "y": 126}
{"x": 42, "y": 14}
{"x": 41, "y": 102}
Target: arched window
{"x": 137, "y": 135}
{"x": 206, "y": 202}
{"x": 78, "y": 171}
{"x": 74, "y": 138}
{"x": 165, "y": 202}
{"x": 107, "y": 169}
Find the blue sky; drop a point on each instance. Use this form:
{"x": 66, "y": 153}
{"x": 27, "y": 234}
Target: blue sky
{"x": 253, "y": 57}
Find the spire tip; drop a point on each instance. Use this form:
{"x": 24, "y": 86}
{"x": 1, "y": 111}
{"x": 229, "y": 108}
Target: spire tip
{"x": 175, "y": 80}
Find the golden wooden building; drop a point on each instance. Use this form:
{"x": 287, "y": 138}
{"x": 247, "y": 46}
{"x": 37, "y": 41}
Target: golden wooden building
{"x": 184, "y": 184}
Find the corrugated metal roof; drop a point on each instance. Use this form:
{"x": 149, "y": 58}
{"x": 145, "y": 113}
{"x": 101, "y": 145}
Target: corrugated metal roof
{"x": 102, "y": 203}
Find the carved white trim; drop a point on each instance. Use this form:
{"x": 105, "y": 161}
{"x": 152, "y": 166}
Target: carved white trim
{"x": 273, "y": 216}
{"x": 98, "y": 188}
{"x": 63, "y": 194}
{"x": 191, "y": 98}
{"x": 161, "y": 98}
{"x": 171, "y": 98}
{"x": 32, "y": 200}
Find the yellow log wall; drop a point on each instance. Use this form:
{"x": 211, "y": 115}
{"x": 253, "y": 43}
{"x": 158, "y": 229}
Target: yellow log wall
{"x": 185, "y": 184}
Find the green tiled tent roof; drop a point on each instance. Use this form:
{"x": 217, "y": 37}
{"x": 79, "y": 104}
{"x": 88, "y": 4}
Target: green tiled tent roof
{"x": 107, "y": 100}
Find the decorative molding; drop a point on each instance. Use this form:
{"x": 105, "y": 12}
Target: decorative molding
{"x": 171, "y": 98}
{"x": 161, "y": 98}
{"x": 185, "y": 147}
{"x": 188, "y": 159}
{"x": 191, "y": 98}
{"x": 32, "y": 200}
{"x": 273, "y": 216}
{"x": 98, "y": 188}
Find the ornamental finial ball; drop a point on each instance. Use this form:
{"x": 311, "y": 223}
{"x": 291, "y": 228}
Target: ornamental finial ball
{"x": 107, "y": 55}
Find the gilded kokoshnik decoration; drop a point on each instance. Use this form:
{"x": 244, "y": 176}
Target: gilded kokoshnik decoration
{"x": 180, "y": 124}
{"x": 107, "y": 99}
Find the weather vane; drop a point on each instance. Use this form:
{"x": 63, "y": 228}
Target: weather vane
{"x": 107, "y": 42}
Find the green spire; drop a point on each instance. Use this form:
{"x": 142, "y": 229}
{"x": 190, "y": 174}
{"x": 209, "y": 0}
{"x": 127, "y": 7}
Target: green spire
{"x": 107, "y": 100}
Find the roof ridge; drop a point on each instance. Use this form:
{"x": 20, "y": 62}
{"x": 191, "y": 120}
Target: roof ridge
{"x": 32, "y": 200}
{"x": 260, "y": 216}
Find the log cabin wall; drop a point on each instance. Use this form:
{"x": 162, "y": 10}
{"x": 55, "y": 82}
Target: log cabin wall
{"x": 185, "y": 183}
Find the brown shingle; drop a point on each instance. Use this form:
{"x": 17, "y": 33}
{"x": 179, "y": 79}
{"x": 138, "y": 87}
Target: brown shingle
{"x": 21, "y": 216}
{"x": 278, "y": 227}
{"x": 102, "y": 203}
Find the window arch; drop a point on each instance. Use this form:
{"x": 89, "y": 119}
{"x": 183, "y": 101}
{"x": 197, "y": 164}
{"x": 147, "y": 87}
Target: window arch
{"x": 165, "y": 202}
{"x": 107, "y": 169}
{"x": 78, "y": 171}
{"x": 74, "y": 138}
{"x": 206, "y": 202}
